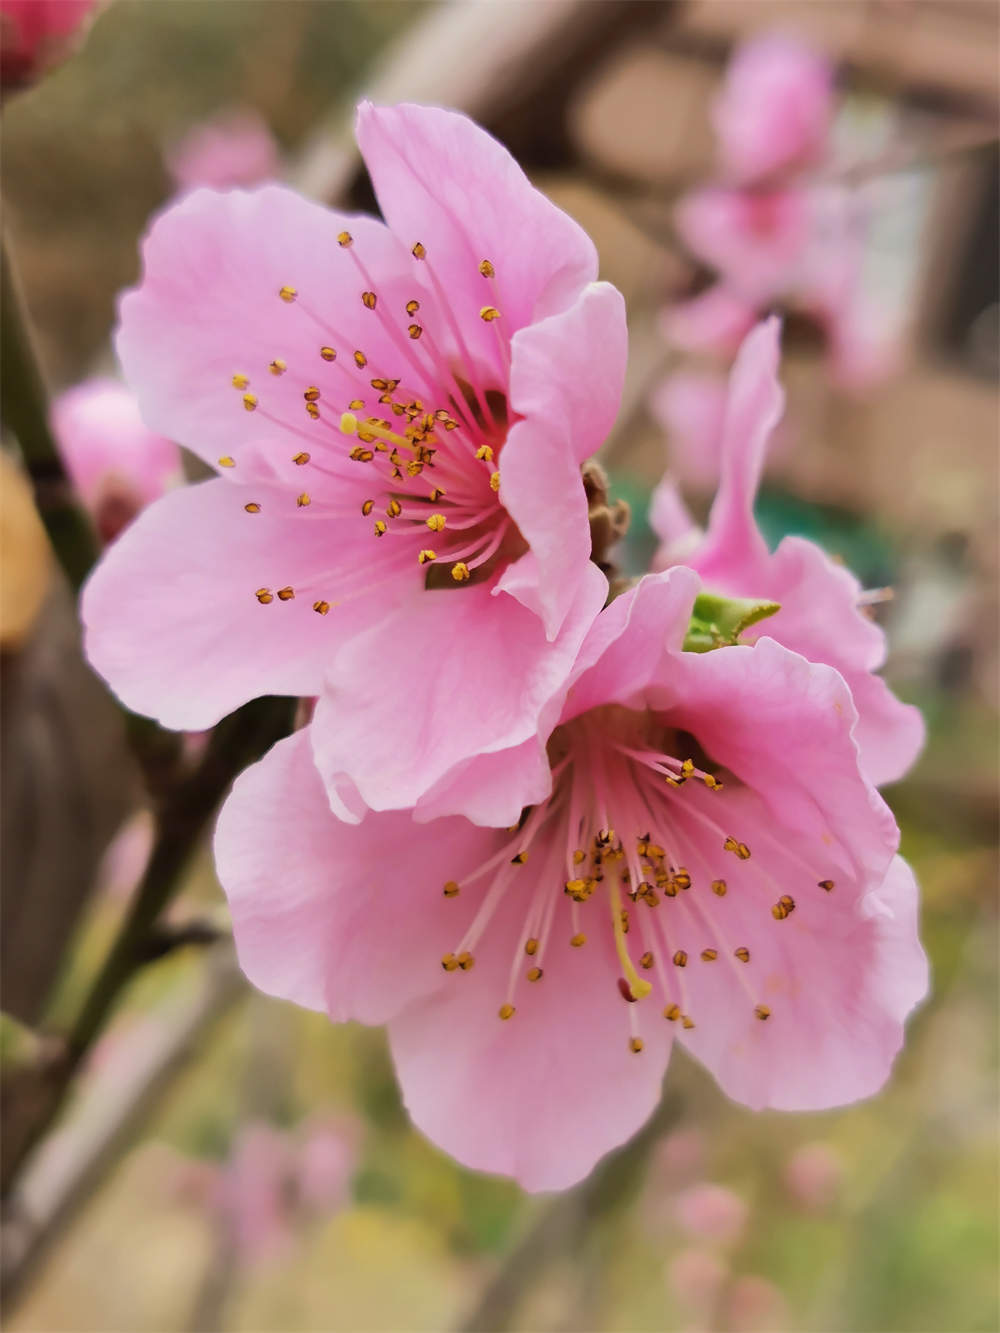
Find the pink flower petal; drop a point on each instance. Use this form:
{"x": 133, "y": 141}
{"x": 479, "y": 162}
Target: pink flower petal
{"x": 714, "y": 321}
{"x": 443, "y": 181}
{"x": 691, "y": 408}
{"x": 349, "y": 918}
{"x": 757, "y": 242}
{"x": 171, "y": 614}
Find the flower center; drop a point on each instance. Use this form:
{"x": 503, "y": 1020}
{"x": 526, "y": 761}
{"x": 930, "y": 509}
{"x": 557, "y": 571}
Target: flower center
{"x": 629, "y": 847}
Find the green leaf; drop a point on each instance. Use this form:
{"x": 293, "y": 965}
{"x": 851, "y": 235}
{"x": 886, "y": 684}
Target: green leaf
{"x": 718, "y": 622}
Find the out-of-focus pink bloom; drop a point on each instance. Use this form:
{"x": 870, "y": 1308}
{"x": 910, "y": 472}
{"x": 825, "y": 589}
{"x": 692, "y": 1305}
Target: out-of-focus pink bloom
{"x": 821, "y": 613}
{"x": 712, "y": 1213}
{"x": 116, "y": 462}
{"x": 36, "y": 34}
{"x": 757, "y": 1306}
{"x": 326, "y": 1161}
{"x": 696, "y": 1278}
{"x": 775, "y": 109}
{"x": 533, "y": 978}
{"x": 691, "y": 408}
{"x": 813, "y": 1176}
{"x": 255, "y": 1193}
{"x": 399, "y": 413}
{"x": 717, "y": 320}
{"x": 679, "y": 1158}
{"x": 234, "y": 148}
{"x": 758, "y": 241}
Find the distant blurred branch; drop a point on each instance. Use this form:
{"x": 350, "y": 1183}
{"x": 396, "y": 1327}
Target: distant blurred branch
{"x": 561, "y": 1227}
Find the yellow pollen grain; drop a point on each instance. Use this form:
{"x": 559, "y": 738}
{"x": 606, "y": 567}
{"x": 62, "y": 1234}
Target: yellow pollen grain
{"x": 635, "y": 1045}
{"x": 494, "y": 481}
{"x": 380, "y": 527}
{"x": 531, "y": 947}
{"x": 321, "y": 608}
{"x": 489, "y": 313}
{"x": 286, "y": 594}
{"x": 535, "y": 974}
{"x": 783, "y": 908}
{"x": 450, "y": 889}
{"x": 287, "y": 294}
{"x": 719, "y": 887}
{"x": 301, "y": 459}
{"x": 742, "y": 953}
{"x": 252, "y": 508}
{"x": 687, "y": 1022}
{"x": 277, "y": 366}
{"x": 709, "y": 955}
{"x": 826, "y": 885}
{"x": 466, "y": 962}
{"x": 460, "y": 571}
{"x": 412, "y": 307}
{"x": 313, "y": 411}
{"x": 367, "y": 507}
{"x": 394, "y": 509}
{"x": 646, "y": 961}
{"x": 449, "y": 962}
{"x": 240, "y": 382}
{"x": 369, "y": 300}
{"x": 436, "y": 494}
{"x": 672, "y": 1012}
{"x": 506, "y": 1011}
{"x": 226, "y": 461}
{"x": 680, "y": 958}
{"x": 250, "y": 401}
{"x": 328, "y": 353}
{"x": 360, "y": 360}
{"x": 578, "y": 941}
{"x": 419, "y": 250}
{"x": 436, "y": 522}
{"x": 519, "y": 859}
{"x": 303, "y": 500}
{"x": 264, "y": 595}
{"x": 414, "y": 330}
{"x": 484, "y": 453}
{"x": 487, "y": 269}
{"x": 762, "y": 1012}
{"x": 311, "y": 395}
{"x": 426, "y": 557}
{"x": 345, "y": 239}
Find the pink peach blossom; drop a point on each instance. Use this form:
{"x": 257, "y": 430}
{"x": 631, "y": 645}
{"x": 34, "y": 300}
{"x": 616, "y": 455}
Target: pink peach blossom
{"x": 813, "y": 1176}
{"x": 774, "y": 112}
{"x": 756, "y": 1305}
{"x": 712, "y": 1213}
{"x": 708, "y": 862}
{"x": 116, "y": 462}
{"x": 363, "y": 388}
{"x": 235, "y": 147}
{"x": 254, "y": 1196}
{"x": 691, "y": 407}
{"x": 822, "y": 605}
{"x": 716, "y": 320}
{"x": 36, "y": 34}
{"x": 696, "y": 1278}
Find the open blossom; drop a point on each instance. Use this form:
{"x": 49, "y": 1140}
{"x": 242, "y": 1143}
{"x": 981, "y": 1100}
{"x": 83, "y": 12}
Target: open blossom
{"x": 709, "y": 864}
{"x": 117, "y": 464}
{"x": 822, "y": 605}
{"x": 236, "y": 147}
{"x": 399, "y": 413}
{"x": 35, "y": 34}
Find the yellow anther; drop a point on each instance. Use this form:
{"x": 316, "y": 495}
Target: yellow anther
{"x": 436, "y": 522}
{"x": 709, "y": 955}
{"x": 300, "y": 460}
{"x": 264, "y": 595}
{"x": 687, "y": 768}
{"x": 426, "y": 557}
{"x": 328, "y": 354}
{"x": 419, "y": 250}
{"x": 506, "y": 1011}
{"x": 576, "y": 888}
{"x": 826, "y": 884}
{"x": 250, "y": 401}
{"x": 680, "y": 958}
{"x": 345, "y": 239}
{"x": 311, "y": 395}
{"x": 784, "y": 907}
{"x": 578, "y": 941}
{"x": 451, "y": 424}
{"x": 287, "y": 294}
{"x": 687, "y": 1022}
{"x": 489, "y": 313}
{"x": 412, "y": 307}
{"x": 466, "y": 962}
{"x": 252, "y": 508}
{"x": 367, "y": 506}
{"x": 646, "y": 961}
{"x": 531, "y": 947}
{"x": 240, "y": 382}
{"x": 460, "y": 571}
{"x": 712, "y": 783}
{"x": 739, "y": 849}
{"x": 742, "y": 953}
{"x": 635, "y": 1045}
{"x": 360, "y": 360}
{"x": 313, "y": 411}
{"x": 719, "y": 887}
{"x": 672, "y": 1012}
{"x": 494, "y": 481}
{"x": 303, "y": 500}
{"x": 414, "y": 330}
{"x": 449, "y": 962}
{"x": 226, "y": 461}
{"x": 484, "y": 453}
{"x": 535, "y": 974}
{"x": 675, "y": 782}
{"x": 380, "y": 527}
{"x": 639, "y": 986}
{"x": 394, "y": 509}
{"x": 762, "y": 1012}
{"x": 277, "y": 366}
{"x": 682, "y": 879}
{"x": 487, "y": 269}
{"x": 286, "y": 594}
{"x": 579, "y": 856}
{"x": 369, "y": 300}
{"x": 519, "y": 859}
{"x": 450, "y": 890}
{"x": 321, "y": 608}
